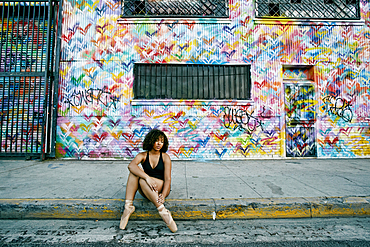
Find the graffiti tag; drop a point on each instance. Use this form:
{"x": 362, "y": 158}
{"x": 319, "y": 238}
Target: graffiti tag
{"x": 240, "y": 119}
{"x": 339, "y": 107}
{"x": 92, "y": 97}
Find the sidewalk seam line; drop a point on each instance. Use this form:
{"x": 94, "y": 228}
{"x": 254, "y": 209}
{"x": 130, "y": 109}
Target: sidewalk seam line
{"x": 243, "y": 181}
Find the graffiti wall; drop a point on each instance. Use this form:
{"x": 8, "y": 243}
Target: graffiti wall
{"x": 23, "y": 50}
{"x": 98, "y": 117}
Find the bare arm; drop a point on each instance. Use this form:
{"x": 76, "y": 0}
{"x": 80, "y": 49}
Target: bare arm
{"x": 137, "y": 171}
{"x": 134, "y": 166}
{"x": 167, "y": 175}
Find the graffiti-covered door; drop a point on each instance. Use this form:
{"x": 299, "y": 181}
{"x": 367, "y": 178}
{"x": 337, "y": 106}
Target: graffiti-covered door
{"x": 300, "y": 120}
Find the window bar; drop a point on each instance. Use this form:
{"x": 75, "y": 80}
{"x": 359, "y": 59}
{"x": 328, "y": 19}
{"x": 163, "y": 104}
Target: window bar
{"x": 9, "y": 43}
{"x": 163, "y": 82}
{"x": 49, "y": 106}
{"x": 215, "y": 82}
{"x": 141, "y": 86}
{"x": 179, "y": 82}
{"x": 244, "y": 79}
{"x": 35, "y": 82}
{"x": 33, "y": 40}
{"x": 3, "y": 37}
{"x": 166, "y": 83}
{"x": 185, "y": 82}
{"x": 236, "y": 79}
{"x": 154, "y": 81}
{"x": 20, "y": 81}
{"x": 173, "y": 80}
{"x": 2, "y": 116}
{"x": 220, "y": 82}
{"x": 8, "y": 121}
{"x": 27, "y": 127}
{"x": 182, "y": 81}
{"x": 32, "y": 80}
{"x": 16, "y": 69}
{"x": 190, "y": 81}
{"x": 195, "y": 70}
{"x": 212, "y": 82}
{"x": 233, "y": 90}
{"x": 38, "y": 38}
{"x": 24, "y": 81}
{"x": 227, "y": 82}
{"x": 22, "y": 115}
{"x": 147, "y": 80}
{"x": 42, "y": 81}
{"x": 171, "y": 87}
{"x": 249, "y": 85}
{"x": 135, "y": 85}
{"x": 45, "y": 112}
{"x": 11, "y": 96}
{"x": 158, "y": 82}
{"x": 206, "y": 81}
{"x": 200, "y": 81}
{"x": 150, "y": 80}
{"x": 3, "y": 63}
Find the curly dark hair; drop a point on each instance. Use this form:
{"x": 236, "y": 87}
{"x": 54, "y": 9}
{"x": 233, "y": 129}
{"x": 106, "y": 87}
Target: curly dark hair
{"x": 152, "y": 137}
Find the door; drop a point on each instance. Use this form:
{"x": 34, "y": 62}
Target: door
{"x": 300, "y": 120}
{"x": 28, "y": 77}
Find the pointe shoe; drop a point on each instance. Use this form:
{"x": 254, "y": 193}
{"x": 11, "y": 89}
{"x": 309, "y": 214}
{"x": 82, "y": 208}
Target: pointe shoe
{"x": 125, "y": 216}
{"x": 167, "y": 218}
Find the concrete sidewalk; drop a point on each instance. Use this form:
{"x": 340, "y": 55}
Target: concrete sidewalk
{"x": 75, "y": 189}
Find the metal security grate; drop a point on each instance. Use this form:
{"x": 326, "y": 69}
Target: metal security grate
{"x": 175, "y": 8}
{"x": 308, "y": 9}
{"x": 191, "y": 81}
{"x": 28, "y": 77}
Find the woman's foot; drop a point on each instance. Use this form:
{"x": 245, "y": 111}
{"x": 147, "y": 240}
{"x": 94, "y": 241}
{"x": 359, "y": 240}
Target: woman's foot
{"x": 129, "y": 209}
{"x": 167, "y": 218}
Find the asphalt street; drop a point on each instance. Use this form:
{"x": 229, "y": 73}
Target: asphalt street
{"x": 261, "y": 232}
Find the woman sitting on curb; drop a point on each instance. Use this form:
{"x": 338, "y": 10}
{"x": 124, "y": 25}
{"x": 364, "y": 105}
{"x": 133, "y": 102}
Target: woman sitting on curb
{"x": 153, "y": 180}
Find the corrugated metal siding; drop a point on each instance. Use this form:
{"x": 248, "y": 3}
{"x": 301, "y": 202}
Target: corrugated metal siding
{"x": 98, "y": 52}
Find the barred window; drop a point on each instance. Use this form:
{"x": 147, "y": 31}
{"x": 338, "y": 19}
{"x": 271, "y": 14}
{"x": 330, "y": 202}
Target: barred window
{"x": 191, "y": 81}
{"x": 308, "y": 9}
{"x": 175, "y": 8}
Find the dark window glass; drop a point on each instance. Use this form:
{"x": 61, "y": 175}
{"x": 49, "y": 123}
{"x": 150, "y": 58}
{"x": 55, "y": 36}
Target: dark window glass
{"x": 274, "y": 9}
{"x": 191, "y": 81}
{"x": 175, "y": 8}
{"x": 309, "y": 9}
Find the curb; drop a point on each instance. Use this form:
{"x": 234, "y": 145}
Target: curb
{"x": 189, "y": 209}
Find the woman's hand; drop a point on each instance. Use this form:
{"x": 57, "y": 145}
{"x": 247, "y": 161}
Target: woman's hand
{"x": 152, "y": 185}
{"x": 160, "y": 199}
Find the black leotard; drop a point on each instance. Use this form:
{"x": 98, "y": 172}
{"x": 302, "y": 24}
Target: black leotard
{"x": 158, "y": 171}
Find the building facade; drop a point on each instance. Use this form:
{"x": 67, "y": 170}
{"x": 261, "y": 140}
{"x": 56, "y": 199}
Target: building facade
{"x": 250, "y": 79}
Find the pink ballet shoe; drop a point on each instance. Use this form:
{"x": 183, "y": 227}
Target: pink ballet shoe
{"x": 129, "y": 209}
{"x": 167, "y": 218}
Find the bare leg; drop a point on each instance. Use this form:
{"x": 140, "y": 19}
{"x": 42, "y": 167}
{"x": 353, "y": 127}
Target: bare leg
{"x": 131, "y": 189}
{"x": 153, "y": 196}
{"x": 131, "y": 186}
{"x": 149, "y": 193}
